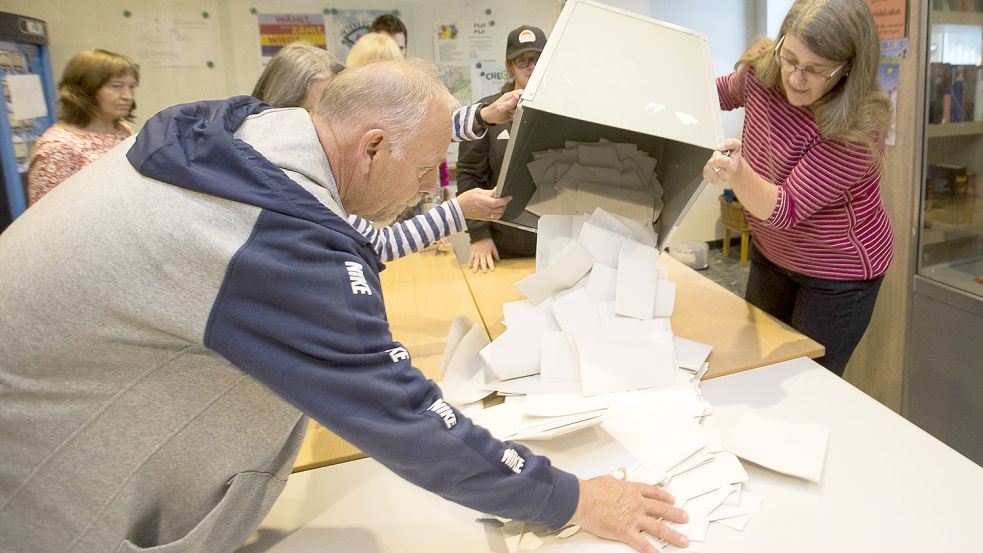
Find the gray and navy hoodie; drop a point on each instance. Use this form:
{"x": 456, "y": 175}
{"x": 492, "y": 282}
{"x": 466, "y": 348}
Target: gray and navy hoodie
{"x": 168, "y": 314}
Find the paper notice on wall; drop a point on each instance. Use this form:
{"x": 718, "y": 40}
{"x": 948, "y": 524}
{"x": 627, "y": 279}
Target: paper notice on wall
{"x": 483, "y": 41}
{"x": 26, "y": 97}
{"x": 277, "y": 30}
{"x": 890, "y": 17}
{"x": 449, "y": 45}
{"x": 171, "y": 41}
{"x": 458, "y": 81}
{"x": 487, "y": 78}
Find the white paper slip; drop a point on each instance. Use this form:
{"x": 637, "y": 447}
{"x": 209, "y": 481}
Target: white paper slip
{"x": 531, "y": 385}
{"x": 609, "y": 221}
{"x": 602, "y": 244}
{"x": 796, "y": 449}
{"x": 557, "y": 405}
{"x": 656, "y": 434}
{"x": 690, "y": 354}
{"x": 467, "y": 374}
{"x": 515, "y": 310}
{"x": 566, "y": 267}
{"x": 607, "y": 367}
{"x": 587, "y": 453}
{"x": 516, "y": 352}
{"x": 638, "y": 266}
{"x": 737, "y": 517}
{"x": 558, "y": 361}
{"x": 665, "y": 298}
{"x": 602, "y": 283}
{"x": 549, "y": 228}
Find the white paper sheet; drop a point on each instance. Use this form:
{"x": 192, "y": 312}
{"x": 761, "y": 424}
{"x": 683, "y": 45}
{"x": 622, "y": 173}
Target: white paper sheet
{"x": 638, "y": 267}
{"x": 516, "y": 352}
{"x": 602, "y": 283}
{"x": 691, "y": 354}
{"x": 466, "y": 374}
{"x": 558, "y": 362}
{"x": 796, "y": 449}
{"x": 602, "y": 244}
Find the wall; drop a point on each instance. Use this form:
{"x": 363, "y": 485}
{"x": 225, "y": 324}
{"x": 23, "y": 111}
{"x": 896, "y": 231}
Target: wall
{"x": 232, "y": 39}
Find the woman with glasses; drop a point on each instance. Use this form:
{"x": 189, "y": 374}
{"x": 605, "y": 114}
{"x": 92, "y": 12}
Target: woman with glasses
{"x": 808, "y": 171}
{"x": 479, "y": 162}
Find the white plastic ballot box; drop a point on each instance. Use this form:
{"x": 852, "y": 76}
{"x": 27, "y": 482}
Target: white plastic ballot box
{"x": 611, "y": 74}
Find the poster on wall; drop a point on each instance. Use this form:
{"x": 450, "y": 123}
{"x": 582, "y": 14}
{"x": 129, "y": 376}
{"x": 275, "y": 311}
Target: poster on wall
{"x": 449, "y": 46}
{"x": 347, "y": 26}
{"x": 483, "y": 41}
{"x": 487, "y": 79}
{"x": 170, "y": 41}
{"x": 890, "y": 16}
{"x": 277, "y": 30}
{"x": 887, "y": 78}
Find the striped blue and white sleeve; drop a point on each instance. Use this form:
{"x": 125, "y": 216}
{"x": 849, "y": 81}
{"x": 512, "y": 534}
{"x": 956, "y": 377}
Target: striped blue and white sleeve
{"x": 463, "y": 124}
{"x": 414, "y": 234}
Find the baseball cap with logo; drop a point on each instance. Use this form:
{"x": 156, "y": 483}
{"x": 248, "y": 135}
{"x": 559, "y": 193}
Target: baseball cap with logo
{"x": 524, "y": 39}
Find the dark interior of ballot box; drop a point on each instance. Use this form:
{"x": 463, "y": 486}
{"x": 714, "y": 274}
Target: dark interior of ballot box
{"x": 679, "y": 165}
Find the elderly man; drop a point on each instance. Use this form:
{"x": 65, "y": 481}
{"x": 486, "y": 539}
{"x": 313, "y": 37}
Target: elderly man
{"x": 172, "y": 312}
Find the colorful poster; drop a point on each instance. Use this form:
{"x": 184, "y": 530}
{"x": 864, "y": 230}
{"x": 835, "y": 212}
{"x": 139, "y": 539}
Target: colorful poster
{"x": 276, "y": 30}
{"x": 347, "y": 26}
{"x": 890, "y": 16}
{"x": 887, "y": 78}
{"x": 894, "y": 48}
{"x": 458, "y": 81}
{"x": 487, "y": 78}
{"x": 449, "y": 45}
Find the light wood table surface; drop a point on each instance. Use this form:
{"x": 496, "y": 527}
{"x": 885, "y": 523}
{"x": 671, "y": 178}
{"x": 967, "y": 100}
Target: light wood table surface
{"x": 743, "y": 337}
{"x": 424, "y": 293}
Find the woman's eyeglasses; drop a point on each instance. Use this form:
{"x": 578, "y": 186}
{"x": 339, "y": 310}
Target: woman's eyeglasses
{"x": 524, "y": 62}
{"x": 809, "y": 73}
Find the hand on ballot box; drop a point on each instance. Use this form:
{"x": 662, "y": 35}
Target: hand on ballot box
{"x": 620, "y": 510}
{"x": 503, "y": 109}
{"x": 482, "y": 204}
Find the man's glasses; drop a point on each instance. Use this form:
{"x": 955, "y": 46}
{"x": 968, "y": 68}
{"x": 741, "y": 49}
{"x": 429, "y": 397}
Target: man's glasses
{"x": 525, "y": 62}
{"x": 809, "y": 73}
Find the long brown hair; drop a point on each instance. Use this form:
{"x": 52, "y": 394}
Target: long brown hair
{"x": 855, "y": 110}
{"x": 85, "y": 74}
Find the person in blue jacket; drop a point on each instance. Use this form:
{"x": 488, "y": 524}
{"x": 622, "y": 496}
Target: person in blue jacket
{"x": 173, "y": 311}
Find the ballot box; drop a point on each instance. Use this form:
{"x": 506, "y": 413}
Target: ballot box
{"x": 615, "y": 78}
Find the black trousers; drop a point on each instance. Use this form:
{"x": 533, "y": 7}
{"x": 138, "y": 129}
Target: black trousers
{"x": 834, "y": 313}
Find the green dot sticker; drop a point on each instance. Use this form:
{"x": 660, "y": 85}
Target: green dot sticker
{"x": 126, "y": 13}
{"x": 210, "y": 64}
{"x": 396, "y": 13}
{"x": 491, "y": 23}
{"x": 204, "y": 15}
{"x": 487, "y": 11}
{"x": 252, "y": 11}
{"x": 326, "y": 11}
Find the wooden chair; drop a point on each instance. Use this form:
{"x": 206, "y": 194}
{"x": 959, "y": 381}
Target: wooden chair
{"x": 732, "y": 215}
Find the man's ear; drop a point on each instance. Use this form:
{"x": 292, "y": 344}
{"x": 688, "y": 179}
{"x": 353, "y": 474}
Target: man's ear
{"x": 370, "y": 145}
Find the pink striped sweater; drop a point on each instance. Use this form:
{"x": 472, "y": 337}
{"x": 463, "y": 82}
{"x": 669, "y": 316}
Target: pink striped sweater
{"x": 829, "y": 220}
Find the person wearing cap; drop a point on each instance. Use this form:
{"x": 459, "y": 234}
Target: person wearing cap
{"x": 480, "y": 161}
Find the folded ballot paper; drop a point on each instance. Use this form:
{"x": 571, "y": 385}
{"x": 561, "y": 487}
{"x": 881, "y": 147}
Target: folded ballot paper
{"x": 619, "y": 178}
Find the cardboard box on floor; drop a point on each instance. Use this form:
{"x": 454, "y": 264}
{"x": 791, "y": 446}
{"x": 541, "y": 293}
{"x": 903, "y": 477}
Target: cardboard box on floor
{"x": 610, "y": 74}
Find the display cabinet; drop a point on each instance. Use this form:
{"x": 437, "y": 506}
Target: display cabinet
{"x": 944, "y": 372}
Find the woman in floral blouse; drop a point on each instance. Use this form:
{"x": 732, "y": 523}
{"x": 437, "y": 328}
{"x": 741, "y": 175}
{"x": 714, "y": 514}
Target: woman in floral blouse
{"x": 95, "y": 97}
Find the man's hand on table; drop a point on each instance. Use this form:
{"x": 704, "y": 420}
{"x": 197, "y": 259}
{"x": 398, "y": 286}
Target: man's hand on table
{"x": 620, "y": 510}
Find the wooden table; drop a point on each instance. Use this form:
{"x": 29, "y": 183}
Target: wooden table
{"x": 424, "y": 293}
{"x": 743, "y": 336}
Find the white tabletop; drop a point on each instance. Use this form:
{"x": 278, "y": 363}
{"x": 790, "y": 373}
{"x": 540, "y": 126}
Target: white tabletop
{"x": 887, "y": 486}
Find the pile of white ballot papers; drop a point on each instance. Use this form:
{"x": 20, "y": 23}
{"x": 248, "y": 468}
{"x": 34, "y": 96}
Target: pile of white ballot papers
{"x": 617, "y": 177}
{"x": 593, "y": 377}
